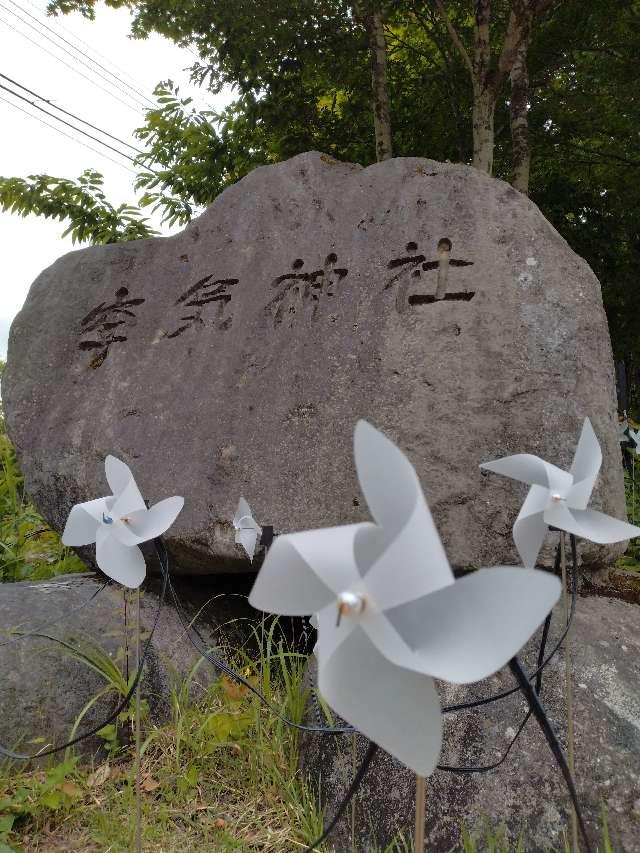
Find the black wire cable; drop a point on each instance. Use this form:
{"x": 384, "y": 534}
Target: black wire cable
{"x": 485, "y": 768}
{"x": 124, "y": 703}
{"x": 68, "y": 113}
{"x": 353, "y": 787}
{"x": 18, "y": 636}
{"x": 366, "y": 762}
{"x": 67, "y": 135}
{"x": 135, "y": 100}
{"x": 219, "y": 664}
{"x": 82, "y": 52}
{"x": 535, "y": 708}
{"x": 540, "y": 714}
{"x": 477, "y": 703}
{"x": 74, "y": 68}
{"x": 447, "y": 768}
{"x": 203, "y": 650}
{"x": 68, "y": 124}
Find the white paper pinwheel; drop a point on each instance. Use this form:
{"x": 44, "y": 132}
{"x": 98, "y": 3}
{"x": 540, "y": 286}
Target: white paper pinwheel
{"x": 389, "y": 613}
{"x": 248, "y": 531}
{"x": 118, "y": 523}
{"x": 630, "y": 438}
{"x": 559, "y": 498}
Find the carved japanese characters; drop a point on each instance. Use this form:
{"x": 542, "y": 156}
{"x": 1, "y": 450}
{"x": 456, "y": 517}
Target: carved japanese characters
{"x": 208, "y": 291}
{"x": 108, "y": 324}
{"x": 411, "y": 266}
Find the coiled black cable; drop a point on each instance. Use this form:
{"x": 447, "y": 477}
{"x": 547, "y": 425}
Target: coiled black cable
{"x": 124, "y": 703}
{"x": 17, "y": 636}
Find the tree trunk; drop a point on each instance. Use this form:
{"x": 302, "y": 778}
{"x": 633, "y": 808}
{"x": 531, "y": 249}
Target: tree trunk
{"x": 381, "y": 120}
{"x": 484, "y": 107}
{"x": 521, "y": 150}
{"x": 484, "y": 92}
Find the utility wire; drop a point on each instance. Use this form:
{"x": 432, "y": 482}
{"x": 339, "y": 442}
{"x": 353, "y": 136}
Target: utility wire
{"x": 82, "y": 53}
{"x": 75, "y": 58}
{"x": 72, "y": 115}
{"x": 128, "y": 104}
{"x": 121, "y": 71}
{"x": 68, "y": 135}
{"x": 68, "y": 124}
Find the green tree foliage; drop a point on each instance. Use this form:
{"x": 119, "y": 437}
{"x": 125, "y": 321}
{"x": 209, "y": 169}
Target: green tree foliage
{"x": 586, "y": 165}
{"x": 187, "y": 161}
{"x": 82, "y": 203}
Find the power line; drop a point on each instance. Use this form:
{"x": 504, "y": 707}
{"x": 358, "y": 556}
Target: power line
{"x": 68, "y": 135}
{"x": 72, "y": 115}
{"x": 120, "y": 70}
{"x": 68, "y": 52}
{"x": 72, "y": 67}
{"x": 63, "y": 121}
{"x": 78, "y": 50}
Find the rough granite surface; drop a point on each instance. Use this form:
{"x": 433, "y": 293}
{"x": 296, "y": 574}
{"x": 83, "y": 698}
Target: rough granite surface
{"x": 44, "y": 689}
{"x": 526, "y": 792}
{"x": 234, "y": 358}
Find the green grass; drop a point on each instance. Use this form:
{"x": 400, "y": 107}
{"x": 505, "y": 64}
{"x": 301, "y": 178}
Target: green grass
{"x": 221, "y": 775}
{"x": 29, "y": 548}
{"x": 630, "y": 561}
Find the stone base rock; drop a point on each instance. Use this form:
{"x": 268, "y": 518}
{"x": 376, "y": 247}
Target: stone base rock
{"x": 44, "y": 690}
{"x": 527, "y": 792}
{"x": 235, "y": 357}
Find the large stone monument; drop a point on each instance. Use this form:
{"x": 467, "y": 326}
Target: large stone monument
{"x": 234, "y": 358}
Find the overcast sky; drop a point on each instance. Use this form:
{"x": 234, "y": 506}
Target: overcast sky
{"x": 32, "y": 54}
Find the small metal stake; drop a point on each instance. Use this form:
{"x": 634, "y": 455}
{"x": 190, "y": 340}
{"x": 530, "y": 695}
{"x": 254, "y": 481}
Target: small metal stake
{"x": 125, "y": 600}
{"x": 568, "y": 685}
{"x": 421, "y": 805}
{"x": 633, "y": 488}
{"x": 138, "y": 737}
{"x": 353, "y": 801}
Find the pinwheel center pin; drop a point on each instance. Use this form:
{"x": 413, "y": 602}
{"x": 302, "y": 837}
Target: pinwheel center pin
{"x": 106, "y": 519}
{"x": 557, "y": 497}
{"x": 349, "y": 604}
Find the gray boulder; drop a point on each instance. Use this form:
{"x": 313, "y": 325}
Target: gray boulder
{"x": 526, "y": 792}
{"x": 44, "y": 689}
{"x": 235, "y": 357}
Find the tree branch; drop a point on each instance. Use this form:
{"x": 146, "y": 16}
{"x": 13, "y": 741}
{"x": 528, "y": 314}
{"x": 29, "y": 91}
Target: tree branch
{"x": 518, "y": 29}
{"x": 482, "y": 45}
{"x": 455, "y": 38}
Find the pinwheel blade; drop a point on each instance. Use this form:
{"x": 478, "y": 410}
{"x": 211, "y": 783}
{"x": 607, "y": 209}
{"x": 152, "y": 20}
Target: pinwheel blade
{"x": 128, "y": 501}
{"x": 118, "y": 474}
{"x": 585, "y": 467}
{"x": 145, "y": 524}
{"x": 403, "y": 558}
{"x": 247, "y": 537}
{"x": 82, "y": 522}
{"x": 532, "y": 470}
{"x": 242, "y": 511}
{"x": 412, "y": 564}
{"x": 387, "y": 478}
{"x": 471, "y": 629}
{"x": 303, "y": 572}
{"x": 530, "y": 528}
{"x": 123, "y": 564}
{"x": 601, "y": 528}
{"x": 394, "y": 707}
